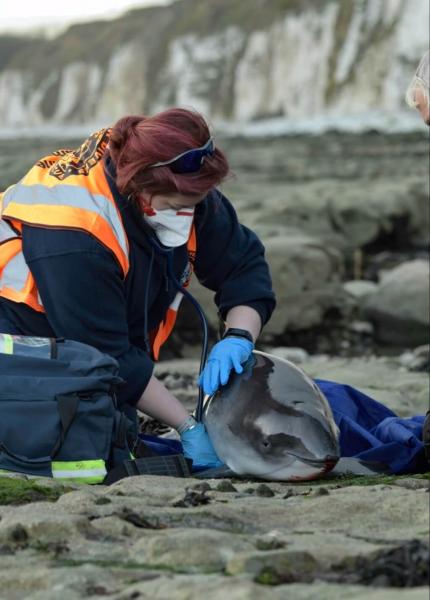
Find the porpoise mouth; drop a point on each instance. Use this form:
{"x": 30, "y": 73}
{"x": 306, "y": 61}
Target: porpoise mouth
{"x": 328, "y": 462}
{"x": 325, "y": 465}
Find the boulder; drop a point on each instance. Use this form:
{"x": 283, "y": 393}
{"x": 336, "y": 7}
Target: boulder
{"x": 360, "y": 289}
{"x": 400, "y": 307}
{"x": 307, "y": 280}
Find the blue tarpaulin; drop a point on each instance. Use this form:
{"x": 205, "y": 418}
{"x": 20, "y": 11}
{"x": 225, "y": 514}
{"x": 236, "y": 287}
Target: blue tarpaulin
{"x": 369, "y": 431}
{"x": 372, "y": 432}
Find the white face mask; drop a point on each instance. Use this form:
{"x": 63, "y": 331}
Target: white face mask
{"x": 172, "y": 227}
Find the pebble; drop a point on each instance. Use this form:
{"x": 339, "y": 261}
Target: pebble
{"x": 261, "y": 490}
{"x": 192, "y": 498}
{"x": 321, "y": 491}
{"x": 226, "y": 486}
{"x": 417, "y": 359}
{"x": 413, "y": 484}
{"x": 203, "y": 486}
{"x": 264, "y": 491}
{"x": 289, "y": 494}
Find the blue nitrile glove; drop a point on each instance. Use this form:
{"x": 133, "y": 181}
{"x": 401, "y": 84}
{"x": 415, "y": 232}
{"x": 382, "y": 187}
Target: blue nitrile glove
{"x": 198, "y": 447}
{"x": 226, "y": 355}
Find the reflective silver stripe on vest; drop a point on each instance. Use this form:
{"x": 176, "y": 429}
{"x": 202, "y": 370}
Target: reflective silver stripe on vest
{"x": 176, "y": 301}
{"x": 6, "y": 232}
{"x": 15, "y": 273}
{"x": 69, "y": 195}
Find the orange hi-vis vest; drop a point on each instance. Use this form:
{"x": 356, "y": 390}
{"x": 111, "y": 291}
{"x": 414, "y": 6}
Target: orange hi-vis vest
{"x": 68, "y": 190}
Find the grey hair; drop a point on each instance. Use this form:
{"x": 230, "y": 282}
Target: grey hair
{"x": 420, "y": 81}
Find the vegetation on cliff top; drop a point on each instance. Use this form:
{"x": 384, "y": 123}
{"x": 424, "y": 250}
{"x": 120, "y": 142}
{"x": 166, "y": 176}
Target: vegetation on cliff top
{"x": 153, "y": 26}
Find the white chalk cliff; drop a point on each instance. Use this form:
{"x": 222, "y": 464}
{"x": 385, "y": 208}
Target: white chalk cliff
{"x": 238, "y": 60}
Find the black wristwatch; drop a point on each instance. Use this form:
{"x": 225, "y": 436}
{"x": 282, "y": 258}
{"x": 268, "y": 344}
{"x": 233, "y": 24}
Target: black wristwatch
{"x": 241, "y": 333}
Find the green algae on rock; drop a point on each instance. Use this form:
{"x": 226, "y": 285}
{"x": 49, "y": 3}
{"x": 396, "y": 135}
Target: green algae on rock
{"x": 23, "y": 491}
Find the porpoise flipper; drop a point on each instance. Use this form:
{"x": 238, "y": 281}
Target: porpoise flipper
{"x": 355, "y": 466}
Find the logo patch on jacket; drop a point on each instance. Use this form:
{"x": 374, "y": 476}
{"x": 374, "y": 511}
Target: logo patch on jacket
{"x": 65, "y": 163}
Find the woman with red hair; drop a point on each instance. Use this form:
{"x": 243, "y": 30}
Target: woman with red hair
{"x": 101, "y": 234}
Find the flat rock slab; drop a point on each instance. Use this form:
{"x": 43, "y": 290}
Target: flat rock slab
{"x": 135, "y": 540}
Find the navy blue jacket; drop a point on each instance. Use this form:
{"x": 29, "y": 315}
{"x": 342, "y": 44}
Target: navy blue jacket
{"x": 86, "y": 298}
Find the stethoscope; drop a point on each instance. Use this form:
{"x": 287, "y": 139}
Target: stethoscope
{"x": 168, "y": 255}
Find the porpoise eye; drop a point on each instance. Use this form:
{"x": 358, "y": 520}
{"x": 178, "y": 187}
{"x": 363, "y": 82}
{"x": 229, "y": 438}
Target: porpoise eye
{"x": 266, "y": 444}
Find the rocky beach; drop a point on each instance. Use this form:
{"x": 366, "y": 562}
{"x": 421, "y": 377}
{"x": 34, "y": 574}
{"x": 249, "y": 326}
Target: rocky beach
{"x": 344, "y": 219}
{"x": 331, "y": 169}
{"x": 184, "y": 539}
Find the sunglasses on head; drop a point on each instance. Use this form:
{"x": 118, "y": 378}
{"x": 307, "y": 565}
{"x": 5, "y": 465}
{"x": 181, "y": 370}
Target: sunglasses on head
{"x": 189, "y": 161}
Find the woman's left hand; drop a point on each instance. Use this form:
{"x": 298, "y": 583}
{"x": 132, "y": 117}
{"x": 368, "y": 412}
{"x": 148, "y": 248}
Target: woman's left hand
{"x": 226, "y": 355}
{"x": 197, "y": 446}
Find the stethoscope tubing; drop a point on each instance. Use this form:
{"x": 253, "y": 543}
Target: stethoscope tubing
{"x": 168, "y": 253}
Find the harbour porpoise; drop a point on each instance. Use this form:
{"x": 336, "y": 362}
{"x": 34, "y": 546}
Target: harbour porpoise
{"x": 272, "y": 422}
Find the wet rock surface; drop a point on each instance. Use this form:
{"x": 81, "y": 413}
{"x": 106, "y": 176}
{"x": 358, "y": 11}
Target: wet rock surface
{"x": 337, "y": 214}
{"x": 346, "y": 543}
{"x": 184, "y": 539}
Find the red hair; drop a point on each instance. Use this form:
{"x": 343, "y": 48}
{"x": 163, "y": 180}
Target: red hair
{"x": 136, "y": 142}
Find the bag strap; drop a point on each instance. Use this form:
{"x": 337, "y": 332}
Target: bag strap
{"x": 67, "y": 408}
{"x": 122, "y": 436}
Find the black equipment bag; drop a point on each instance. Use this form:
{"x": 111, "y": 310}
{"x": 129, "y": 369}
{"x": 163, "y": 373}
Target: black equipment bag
{"x": 58, "y": 413}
